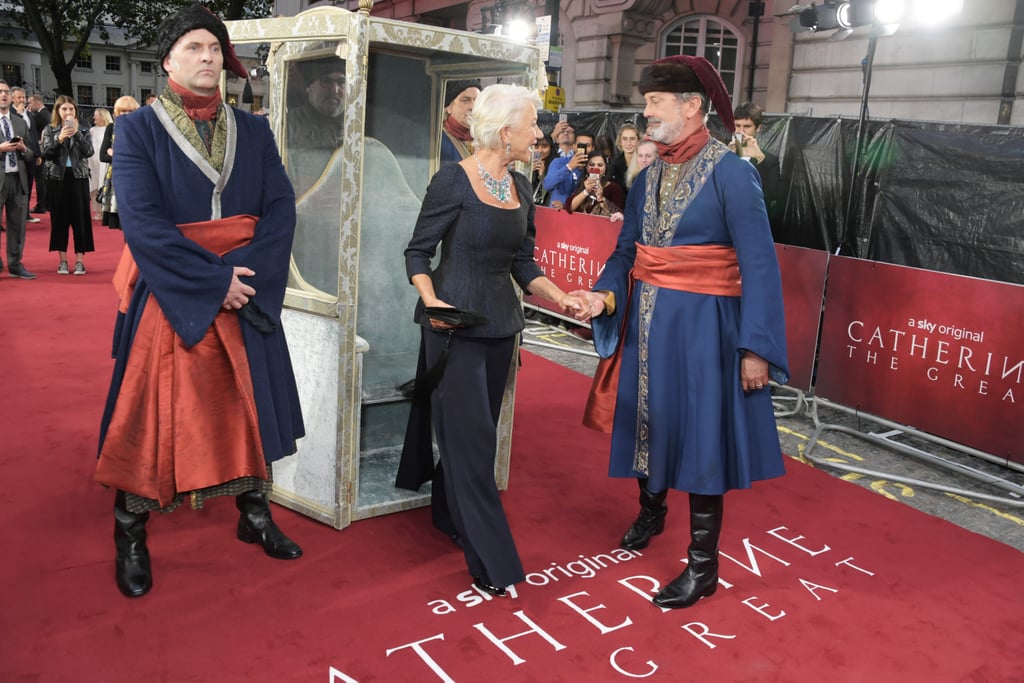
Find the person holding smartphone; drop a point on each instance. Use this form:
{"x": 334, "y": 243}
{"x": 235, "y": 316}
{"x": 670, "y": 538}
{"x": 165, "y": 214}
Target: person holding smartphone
{"x": 66, "y": 150}
{"x": 596, "y": 194}
{"x": 565, "y": 172}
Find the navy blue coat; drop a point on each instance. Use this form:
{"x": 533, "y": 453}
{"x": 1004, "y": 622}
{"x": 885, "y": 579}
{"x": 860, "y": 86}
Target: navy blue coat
{"x": 160, "y": 187}
{"x": 680, "y": 398}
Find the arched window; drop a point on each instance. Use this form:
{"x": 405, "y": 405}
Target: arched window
{"x": 708, "y": 37}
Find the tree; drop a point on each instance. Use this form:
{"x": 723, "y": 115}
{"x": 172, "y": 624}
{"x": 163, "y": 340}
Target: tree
{"x": 62, "y": 25}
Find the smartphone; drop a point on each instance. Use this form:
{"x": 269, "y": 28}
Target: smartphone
{"x": 596, "y": 177}
{"x": 16, "y": 139}
{"x": 738, "y": 139}
{"x": 536, "y": 155}
{"x": 581, "y": 148}
{"x": 563, "y": 118}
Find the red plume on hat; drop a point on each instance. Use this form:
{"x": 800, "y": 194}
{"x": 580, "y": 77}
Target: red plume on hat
{"x": 683, "y": 73}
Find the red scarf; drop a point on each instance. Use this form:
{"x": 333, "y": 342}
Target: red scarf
{"x": 198, "y": 107}
{"x": 456, "y": 129}
{"x": 685, "y": 149}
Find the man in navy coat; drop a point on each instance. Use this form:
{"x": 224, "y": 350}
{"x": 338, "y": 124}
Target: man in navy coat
{"x": 203, "y": 398}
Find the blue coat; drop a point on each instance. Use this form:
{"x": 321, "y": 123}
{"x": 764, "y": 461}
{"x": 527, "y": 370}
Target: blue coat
{"x": 680, "y": 399}
{"x": 159, "y": 187}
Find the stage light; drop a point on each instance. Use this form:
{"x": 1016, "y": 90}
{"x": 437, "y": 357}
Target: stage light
{"x": 517, "y": 29}
{"x": 932, "y": 12}
{"x": 889, "y": 11}
{"x": 809, "y": 18}
{"x": 844, "y": 16}
{"x": 819, "y": 17}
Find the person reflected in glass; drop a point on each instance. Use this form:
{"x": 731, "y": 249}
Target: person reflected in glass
{"x": 481, "y": 215}
{"x": 456, "y": 140}
{"x": 316, "y": 127}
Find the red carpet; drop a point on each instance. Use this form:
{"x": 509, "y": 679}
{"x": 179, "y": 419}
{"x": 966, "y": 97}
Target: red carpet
{"x": 839, "y": 585}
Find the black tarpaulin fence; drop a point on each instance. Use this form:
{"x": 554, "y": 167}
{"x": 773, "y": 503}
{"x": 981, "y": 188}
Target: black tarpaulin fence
{"x": 945, "y": 197}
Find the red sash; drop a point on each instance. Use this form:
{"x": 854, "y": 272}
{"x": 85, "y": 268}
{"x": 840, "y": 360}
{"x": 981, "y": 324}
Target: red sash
{"x": 185, "y": 418}
{"x": 702, "y": 269}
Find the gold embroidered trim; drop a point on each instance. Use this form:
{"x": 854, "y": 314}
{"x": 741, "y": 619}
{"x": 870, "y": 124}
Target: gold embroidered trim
{"x": 670, "y": 190}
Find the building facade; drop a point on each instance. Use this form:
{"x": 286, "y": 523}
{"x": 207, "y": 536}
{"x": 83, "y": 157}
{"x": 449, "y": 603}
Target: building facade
{"x": 966, "y": 70}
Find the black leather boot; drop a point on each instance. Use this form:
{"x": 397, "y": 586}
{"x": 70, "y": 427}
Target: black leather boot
{"x": 131, "y": 564}
{"x": 700, "y": 579}
{"x": 650, "y": 522}
{"x": 256, "y": 526}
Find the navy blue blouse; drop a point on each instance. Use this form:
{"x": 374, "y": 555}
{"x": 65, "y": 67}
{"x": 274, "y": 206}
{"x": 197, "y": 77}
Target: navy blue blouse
{"x": 481, "y": 247}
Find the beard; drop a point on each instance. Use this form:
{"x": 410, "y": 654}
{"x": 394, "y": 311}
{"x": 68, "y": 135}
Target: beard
{"x": 667, "y": 132}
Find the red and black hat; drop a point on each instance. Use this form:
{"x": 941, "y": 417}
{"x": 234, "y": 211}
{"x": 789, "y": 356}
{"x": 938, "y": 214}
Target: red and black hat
{"x": 682, "y": 74}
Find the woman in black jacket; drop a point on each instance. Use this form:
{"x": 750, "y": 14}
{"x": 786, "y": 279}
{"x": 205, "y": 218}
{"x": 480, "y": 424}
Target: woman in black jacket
{"x": 66, "y": 149}
{"x": 481, "y": 216}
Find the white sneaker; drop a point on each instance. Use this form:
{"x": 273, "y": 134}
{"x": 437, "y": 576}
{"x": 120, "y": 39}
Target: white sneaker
{"x": 79, "y": 268}
{"x": 62, "y": 269}
{"x": 31, "y": 219}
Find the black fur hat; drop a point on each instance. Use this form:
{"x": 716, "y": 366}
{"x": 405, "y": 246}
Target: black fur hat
{"x": 190, "y": 19}
{"x": 453, "y": 89}
{"x": 683, "y": 74}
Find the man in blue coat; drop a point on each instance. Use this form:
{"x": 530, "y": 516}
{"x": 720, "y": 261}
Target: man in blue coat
{"x": 203, "y": 397}
{"x": 693, "y": 286}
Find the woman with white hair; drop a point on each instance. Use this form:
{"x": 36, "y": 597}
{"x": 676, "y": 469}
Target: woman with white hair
{"x": 481, "y": 214}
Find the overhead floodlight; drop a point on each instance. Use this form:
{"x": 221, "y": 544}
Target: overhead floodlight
{"x": 889, "y": 11}
{"x": 934, "y": 12}
{"x": 809, "y": 18}
{"x": 819, "y": 18}
{"x": 844, "y": 16}
{"x": 517, "y": 29}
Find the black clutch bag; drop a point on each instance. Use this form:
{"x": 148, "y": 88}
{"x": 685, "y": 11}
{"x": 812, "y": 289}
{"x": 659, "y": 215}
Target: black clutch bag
{"x": 454, "y": 316}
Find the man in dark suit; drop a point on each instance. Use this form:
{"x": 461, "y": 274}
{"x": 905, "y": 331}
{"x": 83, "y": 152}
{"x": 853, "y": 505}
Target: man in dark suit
{"x": 19, "y": 103}
{"x": 40, "y": 119}
{"x": 16, "y": 157}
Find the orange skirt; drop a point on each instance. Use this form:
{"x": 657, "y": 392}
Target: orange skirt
{"x": 185, "y": 418}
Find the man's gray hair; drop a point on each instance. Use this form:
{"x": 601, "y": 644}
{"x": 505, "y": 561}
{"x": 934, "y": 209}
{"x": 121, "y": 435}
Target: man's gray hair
{"x": 498, "y": 106}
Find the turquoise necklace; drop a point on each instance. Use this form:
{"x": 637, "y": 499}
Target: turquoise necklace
{"x": 499, "y": 189}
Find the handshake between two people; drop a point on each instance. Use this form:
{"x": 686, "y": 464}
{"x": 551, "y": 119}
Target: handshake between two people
{"x": 583, "y": 305}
